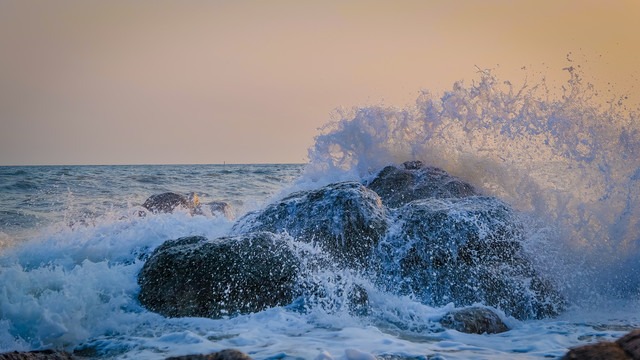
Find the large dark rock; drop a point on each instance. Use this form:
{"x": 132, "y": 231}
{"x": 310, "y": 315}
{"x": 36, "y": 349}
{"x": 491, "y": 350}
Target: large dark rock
{"x": 168, "y": 202}
{"x": 464, "y": 251}
{"x": 345, "y": 219}
{"x": 474, "y": 320}
{"x": 228, "y": 354}
{"x": 193, "y": 276}
{"x": 399, "y": 185}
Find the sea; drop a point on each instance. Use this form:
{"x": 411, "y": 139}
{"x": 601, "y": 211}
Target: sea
{"x": 72, "y": 240}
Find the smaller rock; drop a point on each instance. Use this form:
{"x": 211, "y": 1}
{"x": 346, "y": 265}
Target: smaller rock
{"x": 599, "y": 351}
{"x": 228, "y": 354}
{"x": 474, "y": 320}
{"x": 169, "y": 201}
{"x": 37, "y": 355}
{"x": 221, "y": 208}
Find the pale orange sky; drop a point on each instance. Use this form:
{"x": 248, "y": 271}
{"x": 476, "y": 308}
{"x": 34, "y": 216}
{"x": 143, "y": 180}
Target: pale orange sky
{"x": 139, "y": 82}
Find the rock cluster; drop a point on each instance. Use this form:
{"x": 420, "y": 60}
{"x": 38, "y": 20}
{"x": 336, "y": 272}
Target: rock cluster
{"x": 413, "y": 230}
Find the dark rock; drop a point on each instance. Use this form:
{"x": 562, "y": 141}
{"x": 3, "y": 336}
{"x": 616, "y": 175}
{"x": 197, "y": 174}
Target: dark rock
{"x": 399, "y": 185}
{"x": 465, "y": 251}
{"x": 228, "y": 354}
{"x": 168, "y": 202}
{"x": 630, "y": 343}
{"x": 222, "y": 208}
{"x": 37, "y": 355}
{"x": 599, "y": 351}
{"x": 345, "y": 219}
{"x": 625, "y": 348}
{"x": 193, "y": 276}
{"x": 474, "y": 320}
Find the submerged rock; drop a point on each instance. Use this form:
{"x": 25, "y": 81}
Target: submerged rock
{"x": 228, "y": 354}
{"x": 345, "y": 219}
{"x": 474, "y": 320}
{"x": 465, "y": 251}
{"x": 168, "y": 202}
{"x": 193, "y": 276}
{"x": 399, "y": 185}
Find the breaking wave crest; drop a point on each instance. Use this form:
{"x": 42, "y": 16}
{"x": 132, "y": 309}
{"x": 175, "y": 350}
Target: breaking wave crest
{"x": 571, "y": 162}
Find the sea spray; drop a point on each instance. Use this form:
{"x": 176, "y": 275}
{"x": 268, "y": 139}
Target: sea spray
{"x": 570, "y": 163}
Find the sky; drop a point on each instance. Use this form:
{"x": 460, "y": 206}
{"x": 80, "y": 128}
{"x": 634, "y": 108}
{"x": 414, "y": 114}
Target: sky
{"x": 185, "y": 82}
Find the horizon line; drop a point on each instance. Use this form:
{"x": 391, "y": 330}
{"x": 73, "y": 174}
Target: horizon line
{"x": 156, "y": 164}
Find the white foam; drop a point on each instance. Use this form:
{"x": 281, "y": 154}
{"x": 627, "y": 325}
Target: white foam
{"x": 76, "y": 283}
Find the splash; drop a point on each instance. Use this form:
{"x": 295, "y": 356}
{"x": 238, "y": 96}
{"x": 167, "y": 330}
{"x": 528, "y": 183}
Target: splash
{"x": 570, "y": 161}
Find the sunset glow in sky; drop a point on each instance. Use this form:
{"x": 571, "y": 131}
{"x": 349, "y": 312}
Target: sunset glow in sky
{"x": 164, "y": 82}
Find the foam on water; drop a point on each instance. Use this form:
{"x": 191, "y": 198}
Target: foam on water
{"x": 73, "y": 284}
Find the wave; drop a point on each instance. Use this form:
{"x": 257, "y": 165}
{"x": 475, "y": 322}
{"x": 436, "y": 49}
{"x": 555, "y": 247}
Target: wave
{"x": 571, "y": 162}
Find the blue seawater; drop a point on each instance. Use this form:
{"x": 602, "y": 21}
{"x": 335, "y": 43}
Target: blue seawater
{"x": 72, "y": 241}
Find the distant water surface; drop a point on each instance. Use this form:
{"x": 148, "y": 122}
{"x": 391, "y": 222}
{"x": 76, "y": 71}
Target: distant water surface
{"x": 33, "y": 197}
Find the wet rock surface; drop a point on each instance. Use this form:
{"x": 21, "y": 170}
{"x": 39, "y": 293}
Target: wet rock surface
{"x": 598, "y": 351}
{"x": 625, "y": 348}
{"x": 345, "y": 219}
{"x": 169, "y": 201}
{"x": 451, "y": 246}
{"x": 399, "y": 185}
{"x": 465, "y": 251}
{"x": 193, "y": 276}
{"x": 630, "y": 343}
{"x": 474, "y": 320}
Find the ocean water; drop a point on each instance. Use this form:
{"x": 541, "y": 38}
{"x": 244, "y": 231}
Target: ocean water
{"x": 72, "y": 241}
